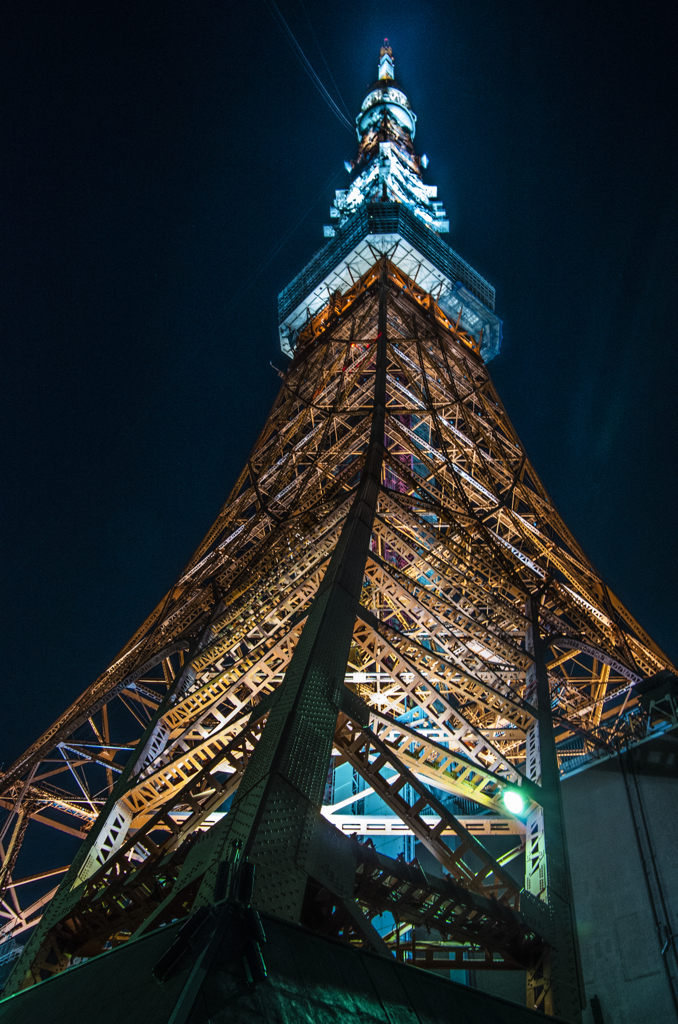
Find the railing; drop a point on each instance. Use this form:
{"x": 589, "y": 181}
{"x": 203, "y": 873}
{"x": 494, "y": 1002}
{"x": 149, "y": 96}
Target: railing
{"x": 383, "y": 218}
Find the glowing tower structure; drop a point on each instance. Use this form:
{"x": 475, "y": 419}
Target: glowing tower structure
{"x": 388, "y": 632}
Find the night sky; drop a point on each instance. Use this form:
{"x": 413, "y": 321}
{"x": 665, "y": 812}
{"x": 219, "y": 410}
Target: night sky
{"x": 154, "y": 158}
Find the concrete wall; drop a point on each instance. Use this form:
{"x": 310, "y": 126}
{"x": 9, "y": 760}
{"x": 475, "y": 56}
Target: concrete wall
{"x": 621, "y": 951}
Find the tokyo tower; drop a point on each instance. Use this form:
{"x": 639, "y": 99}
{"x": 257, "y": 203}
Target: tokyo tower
{"x": 332, "y": 746}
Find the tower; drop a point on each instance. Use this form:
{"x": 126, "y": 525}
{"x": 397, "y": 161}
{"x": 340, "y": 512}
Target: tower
{"x": 388, "y": 590}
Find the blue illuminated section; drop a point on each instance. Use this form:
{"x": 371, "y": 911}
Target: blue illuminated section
{"x": 385, "y": 99}
{"x": 391, "y": 169}
{"x": 389, "y": 209}
{"x": 389, "y": 176}
{"x": 392, "y": 230}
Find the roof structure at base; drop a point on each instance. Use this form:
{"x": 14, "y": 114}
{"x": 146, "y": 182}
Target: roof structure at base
{"x": 292, "y": 974}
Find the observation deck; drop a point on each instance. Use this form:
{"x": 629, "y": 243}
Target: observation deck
{"x": 391, "y": 229}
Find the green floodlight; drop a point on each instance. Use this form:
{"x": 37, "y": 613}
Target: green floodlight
{"x": 513, "y": 801}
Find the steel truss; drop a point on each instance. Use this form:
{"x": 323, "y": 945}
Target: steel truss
{"x": 388, "y": 585}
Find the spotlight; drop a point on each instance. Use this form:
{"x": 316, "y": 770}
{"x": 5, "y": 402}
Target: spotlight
{"x": 513, "y": 801}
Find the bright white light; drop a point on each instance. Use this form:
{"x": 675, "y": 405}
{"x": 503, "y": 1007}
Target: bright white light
{"x": 513, "y": 801}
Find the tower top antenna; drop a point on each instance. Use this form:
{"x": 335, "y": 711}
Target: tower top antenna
{"x": 386, "y": 62}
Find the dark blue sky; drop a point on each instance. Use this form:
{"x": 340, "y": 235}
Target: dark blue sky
{"x": 155, "y": 155}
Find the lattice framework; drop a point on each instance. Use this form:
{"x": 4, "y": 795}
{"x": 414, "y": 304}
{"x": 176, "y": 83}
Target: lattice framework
{"x": 442, "y": 656}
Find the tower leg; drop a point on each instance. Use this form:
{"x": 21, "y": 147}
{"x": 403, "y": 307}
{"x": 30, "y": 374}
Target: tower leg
{"x": 556, "y": 985}
{"x": 276, "y": 806}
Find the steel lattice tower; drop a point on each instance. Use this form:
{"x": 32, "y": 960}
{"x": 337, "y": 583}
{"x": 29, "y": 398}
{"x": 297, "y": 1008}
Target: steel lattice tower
{"x": 388, "y": 591}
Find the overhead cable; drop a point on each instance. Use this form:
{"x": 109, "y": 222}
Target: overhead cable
{"x": 276, "y": 249}
{"x": 235, "y": 298}
{"x": 308, "y": 68}
{"x": 310, "y": 25}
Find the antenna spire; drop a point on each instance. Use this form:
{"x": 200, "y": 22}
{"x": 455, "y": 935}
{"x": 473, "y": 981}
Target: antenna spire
{"x": 386, "y": 62}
